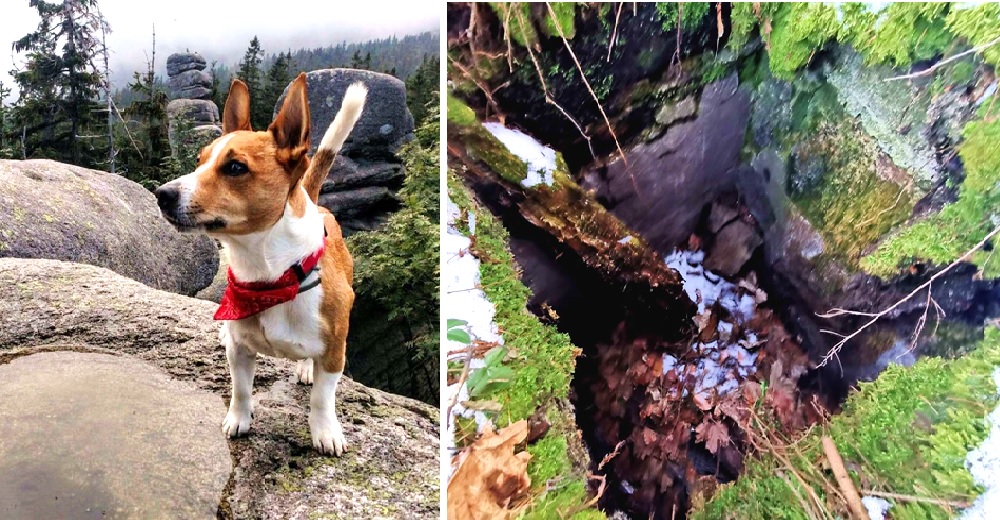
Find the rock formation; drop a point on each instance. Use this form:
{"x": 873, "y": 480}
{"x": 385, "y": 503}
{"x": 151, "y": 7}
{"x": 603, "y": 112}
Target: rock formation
{"x": 191, "y": 97}
{"x": 360, "y": 189}
{"x": 63, "y": 212}
{"x": 389, "y": 470}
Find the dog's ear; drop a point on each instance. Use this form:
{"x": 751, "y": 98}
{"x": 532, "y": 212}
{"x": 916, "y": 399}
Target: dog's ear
{"x": 290, "y": 127}
{"x": 236, "y": 115}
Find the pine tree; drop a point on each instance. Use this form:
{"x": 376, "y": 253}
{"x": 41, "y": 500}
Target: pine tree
{"x": 59, "y": 84}
{"x": 6, "y": 141}
{"x": 356, "y": 61}
{"x": 250, "y": 73}
{"x": 422, "y": 88}
{"x": 144, "y": 155}
{"x": 278, "y": 77}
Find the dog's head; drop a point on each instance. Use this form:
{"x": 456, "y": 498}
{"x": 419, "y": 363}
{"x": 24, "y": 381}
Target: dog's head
{"x": 244, "y": 179}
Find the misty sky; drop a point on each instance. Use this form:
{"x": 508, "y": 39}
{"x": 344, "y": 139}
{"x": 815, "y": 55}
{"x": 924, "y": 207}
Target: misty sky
{"x": 221, "y": 30}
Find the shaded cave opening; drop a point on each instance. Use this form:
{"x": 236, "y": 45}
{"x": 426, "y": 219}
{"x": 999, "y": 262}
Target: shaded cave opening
{"x": 655, "y": 475}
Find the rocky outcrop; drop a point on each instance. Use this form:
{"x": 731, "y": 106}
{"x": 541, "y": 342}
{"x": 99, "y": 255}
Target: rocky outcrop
{"x": 360, "y": 189}
{"x": 662, "y": 187}
{"x": 191, "y": 98}
{"x": 63, "y": 212}
{"x": 390, "y": 468}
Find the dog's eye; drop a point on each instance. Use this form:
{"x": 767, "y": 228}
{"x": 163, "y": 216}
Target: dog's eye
{"x": 235, "y": 168}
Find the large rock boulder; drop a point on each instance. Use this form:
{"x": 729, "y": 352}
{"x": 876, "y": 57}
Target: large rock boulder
{"x": 391, "y": 466}
{"x": 183, "y": 62}
{"x": 360, "y": 189}
{"x": 191, "y": 100}
{"x": 63, "y": 212}
{"x": 662, "y": 188}
{"x": 191, "y": 84}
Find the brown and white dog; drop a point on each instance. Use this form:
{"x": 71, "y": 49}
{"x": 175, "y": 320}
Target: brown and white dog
{"x": 256, "y": 193}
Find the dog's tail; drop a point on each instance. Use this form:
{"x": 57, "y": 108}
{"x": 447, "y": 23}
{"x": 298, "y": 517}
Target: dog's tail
{"x": 333, "y": 139}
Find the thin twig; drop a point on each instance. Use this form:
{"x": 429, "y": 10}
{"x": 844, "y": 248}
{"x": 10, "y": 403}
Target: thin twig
{"x": 840, "y": 344}
{"x": 946, "y": 61}
{"x": 585, "y": 82}
{"x": 614, "y": 33}
{"x": 548, "y": 97}
{"x": 911, "y": 498}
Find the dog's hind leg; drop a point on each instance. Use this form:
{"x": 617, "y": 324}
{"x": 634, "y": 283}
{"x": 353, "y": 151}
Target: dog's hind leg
{"x": 242, "y": 362}
{"x": 304, "y": 371}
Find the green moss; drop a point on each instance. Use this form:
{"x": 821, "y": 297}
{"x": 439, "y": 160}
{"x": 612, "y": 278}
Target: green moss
{"x": 945, "y": 236}
{"x": 743, "y": 22}
{"x": 565, "y": 18}
{"x": 907, "y": 432}
{"x": 550, "y": 452}
{"x": 978, "y": 25}
{"x": 903, "y": 33}
{"x": 692, "y": 15}
{"x": 459, "y": 113}
{"x": 851, "y": 207}
{"x": 512, "y": 14}
{"x": 481, "y": 144}
{"x": 543, "y": 365}
{"x": 798, "y": 31}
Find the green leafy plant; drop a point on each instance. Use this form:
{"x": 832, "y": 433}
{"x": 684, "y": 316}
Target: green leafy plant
{"x": 457, "y": 332}
{"x": 492, "y": 377}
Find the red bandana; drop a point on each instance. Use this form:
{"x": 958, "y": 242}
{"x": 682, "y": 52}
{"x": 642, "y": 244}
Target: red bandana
{"x": 245, "y": 299}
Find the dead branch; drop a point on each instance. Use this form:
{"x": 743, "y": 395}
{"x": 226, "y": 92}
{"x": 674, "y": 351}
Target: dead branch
{"x": 926, "y": 285}
{"x": 614, "y": 453}
{"x": 926, "y": 500}
{"x": 551, "y": 100}
{"x": 614, "y": 33}
{"x": 585, "y": 82}
{"x": 482, "y": 86}
{"x": 844, "y": 480}
{"x": 946, "y": 61}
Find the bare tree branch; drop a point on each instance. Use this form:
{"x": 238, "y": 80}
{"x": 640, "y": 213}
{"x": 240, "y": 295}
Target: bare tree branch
{"x": 926, "y": 285}
{"x": 944, "y": 62}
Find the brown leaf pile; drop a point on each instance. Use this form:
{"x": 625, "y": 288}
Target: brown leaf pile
{"x": 490, "y": 475}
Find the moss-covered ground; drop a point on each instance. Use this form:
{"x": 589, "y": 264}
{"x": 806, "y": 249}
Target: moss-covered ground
{"x": 543, "y": 361}
{"x": 908, "y": 433}
{"x": 948, "y": 234}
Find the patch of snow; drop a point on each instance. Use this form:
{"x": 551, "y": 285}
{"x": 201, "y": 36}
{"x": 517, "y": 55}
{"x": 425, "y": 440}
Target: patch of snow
{"x": 728, "y": 360}
{"x": 625, "y": 240}
{"x": 669, "y": 362}
{"x": 463, "y": 300}
{"x": 877, "y": 507}
{"x": 984, "y": 464}
{"x": 626, "y": 487}
{"x": 705, "y": 287}
{"x": 541, "y": 159}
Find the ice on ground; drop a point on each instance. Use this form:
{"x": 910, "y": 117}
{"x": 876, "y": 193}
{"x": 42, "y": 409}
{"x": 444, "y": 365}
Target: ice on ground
{"x": 463, "y": 300}
{"x": 541, "y": 159}
{"x": 728, "y": 360}
{"x": 984, "y": 464}
{"x": 877, "y": 507}
{"x": 705, "y": 287}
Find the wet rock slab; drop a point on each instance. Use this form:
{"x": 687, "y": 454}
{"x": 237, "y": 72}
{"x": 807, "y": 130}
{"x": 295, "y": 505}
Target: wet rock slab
{"x": 86, "y": 435}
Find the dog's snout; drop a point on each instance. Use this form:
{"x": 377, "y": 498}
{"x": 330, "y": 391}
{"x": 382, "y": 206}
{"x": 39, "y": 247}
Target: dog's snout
{"x": 167, "y": 197}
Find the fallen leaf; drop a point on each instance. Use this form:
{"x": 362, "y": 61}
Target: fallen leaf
{"x": 490, "y": 476}
{"x": 714, "y": 434}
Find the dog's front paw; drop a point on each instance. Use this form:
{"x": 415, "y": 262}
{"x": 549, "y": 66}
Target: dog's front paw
{"x": 237, "y": 422}
{"x": 327, "y": 436}
{"x": 304, "y": 371}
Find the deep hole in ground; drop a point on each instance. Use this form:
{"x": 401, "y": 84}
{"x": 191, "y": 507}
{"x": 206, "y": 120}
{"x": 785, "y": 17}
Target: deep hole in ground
{"x": 643, "y": 379}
